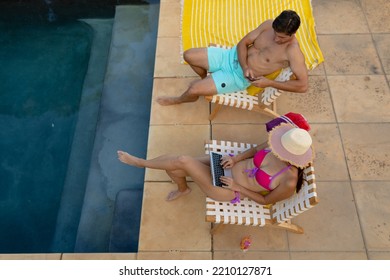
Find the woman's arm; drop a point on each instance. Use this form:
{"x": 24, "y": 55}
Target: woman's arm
{"x": 283, "y": 191}
{"x": 278, "y": 194}
{"x": 229, "y": 161}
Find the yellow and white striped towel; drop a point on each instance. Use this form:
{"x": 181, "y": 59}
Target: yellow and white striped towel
{"x": 225, "y": 22}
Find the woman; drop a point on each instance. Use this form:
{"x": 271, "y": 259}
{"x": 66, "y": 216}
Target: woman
{"x": 263, "y": 175}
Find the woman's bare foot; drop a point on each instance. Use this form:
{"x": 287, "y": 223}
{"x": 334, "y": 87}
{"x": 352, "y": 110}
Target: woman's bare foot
{"x": 129, "y": 159}
{"x": 176, "y": 194}
{"x": 167, "y": 100}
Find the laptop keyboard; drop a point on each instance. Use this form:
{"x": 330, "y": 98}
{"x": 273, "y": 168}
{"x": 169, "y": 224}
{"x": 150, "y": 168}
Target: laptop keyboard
{"x": 218, "y": 170}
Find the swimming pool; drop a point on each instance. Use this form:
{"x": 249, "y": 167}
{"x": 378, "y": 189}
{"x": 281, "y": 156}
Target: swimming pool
{"x": 53, "y": 125}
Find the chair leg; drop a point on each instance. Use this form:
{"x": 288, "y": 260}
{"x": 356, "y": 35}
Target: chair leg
{"x": 289, "y": 226}
{"x": 216, "y": 109}
{"x": 274, "y": 106}
{"x": 265, "y": 110}
{"x": 271, "y": 113}
{"x": 285, "y": 226}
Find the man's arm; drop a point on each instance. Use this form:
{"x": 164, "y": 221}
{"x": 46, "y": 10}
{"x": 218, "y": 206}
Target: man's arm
{"x": 245, "y": 42}
{"x": 298, "y": 67}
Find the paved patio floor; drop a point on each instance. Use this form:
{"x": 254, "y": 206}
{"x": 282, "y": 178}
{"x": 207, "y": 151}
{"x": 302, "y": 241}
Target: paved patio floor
{"x": 348, "y": 108}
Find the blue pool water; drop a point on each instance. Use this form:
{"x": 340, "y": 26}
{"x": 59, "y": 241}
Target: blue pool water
{"x": 52, "y": 77}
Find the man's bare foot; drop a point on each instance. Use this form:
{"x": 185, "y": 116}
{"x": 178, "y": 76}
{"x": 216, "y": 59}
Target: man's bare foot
{"x": 129, "y": 159}
{"x": 176, "y": 194}
{"x": 167, "y": 100}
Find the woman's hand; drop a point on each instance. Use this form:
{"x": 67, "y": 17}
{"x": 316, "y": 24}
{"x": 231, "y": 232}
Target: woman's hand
{"x": 228, "y": 183}
{"x": 227, "y": 162}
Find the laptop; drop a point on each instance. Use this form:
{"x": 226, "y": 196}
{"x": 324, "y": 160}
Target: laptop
{"x": 216, "y": 169}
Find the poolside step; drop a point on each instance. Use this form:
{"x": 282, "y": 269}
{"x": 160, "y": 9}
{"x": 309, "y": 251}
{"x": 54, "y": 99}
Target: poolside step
{"x": 123, "y": 123}
{"x": 126, "y": 220}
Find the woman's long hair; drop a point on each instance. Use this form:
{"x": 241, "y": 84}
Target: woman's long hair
{"x": 300, "y": 179}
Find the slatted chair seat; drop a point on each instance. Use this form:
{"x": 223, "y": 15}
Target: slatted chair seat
{"x": 244, "y": 213}
{"x": 243, "y": 100}
{"x": 249, "y": 213}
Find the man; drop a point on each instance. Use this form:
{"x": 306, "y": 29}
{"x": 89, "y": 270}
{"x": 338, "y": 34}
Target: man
{"x": 268, "y": 48}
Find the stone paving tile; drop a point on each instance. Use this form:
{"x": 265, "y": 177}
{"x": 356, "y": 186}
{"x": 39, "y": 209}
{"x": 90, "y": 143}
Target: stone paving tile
{"x": 332, "y": 225}
{"x": 169, "y": 1}
{"x": 251, "y": 255}
{"x": 187, "y": 113}
{"x": 168, "y": 59}
{"x": 175, "y": 140}
{"x": 315, "y": 105}
{"x": 377, "y": 13}
{"x": 170, "y": 17}
{"x": 350, "y": 54}
{"x": 360, "y": 98}
{"x": 318, "y": 71}
{"x": 229, "y": 237}
{"x": 242, "y": 133}
{"x": 100, "y": 256}
{"x": 30, "y": 256}
{"x": 174, "y": 255}
{"x": 177, "y": 225}
{"x": 379, "y": 255}
{"x": 339, "y": 16}
{"x": 231, "y": 115}
{"x": 329, "y": 162}
{"x": 372, "y": 200}
{"x": 382, "y": 42}
{"x": 329, "y": 255}
{"x": 367, "y": 150}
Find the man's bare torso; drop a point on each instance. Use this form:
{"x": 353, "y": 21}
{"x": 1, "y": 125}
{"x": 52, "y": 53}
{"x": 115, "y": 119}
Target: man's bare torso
{"x": 266, "y": 56}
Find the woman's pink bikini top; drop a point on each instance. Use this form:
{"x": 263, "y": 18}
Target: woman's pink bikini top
{"x": 262, "y": 178}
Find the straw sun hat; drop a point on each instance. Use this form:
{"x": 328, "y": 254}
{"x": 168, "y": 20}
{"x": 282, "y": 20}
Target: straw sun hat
{"x": 291, "y": 144}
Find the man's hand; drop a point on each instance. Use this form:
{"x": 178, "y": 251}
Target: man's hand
{"x": 248, "y": 73}
{"x": 261, "y": 82}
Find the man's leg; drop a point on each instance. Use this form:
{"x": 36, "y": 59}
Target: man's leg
{"x": 203, "y": 87}
{"x": 198, "y": 60}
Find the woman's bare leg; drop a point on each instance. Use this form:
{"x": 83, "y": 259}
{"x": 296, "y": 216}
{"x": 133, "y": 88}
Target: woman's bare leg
{"x": 178, "y": 177}
{"x": 199, "y": 171}
{"x": 165, "y": 162}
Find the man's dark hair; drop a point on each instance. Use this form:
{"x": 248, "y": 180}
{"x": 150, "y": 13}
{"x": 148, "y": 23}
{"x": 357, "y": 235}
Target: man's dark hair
{"x": 287, "y": 22}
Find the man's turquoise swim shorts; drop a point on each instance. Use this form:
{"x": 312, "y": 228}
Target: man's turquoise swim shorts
{"x": 226, "y": 70}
